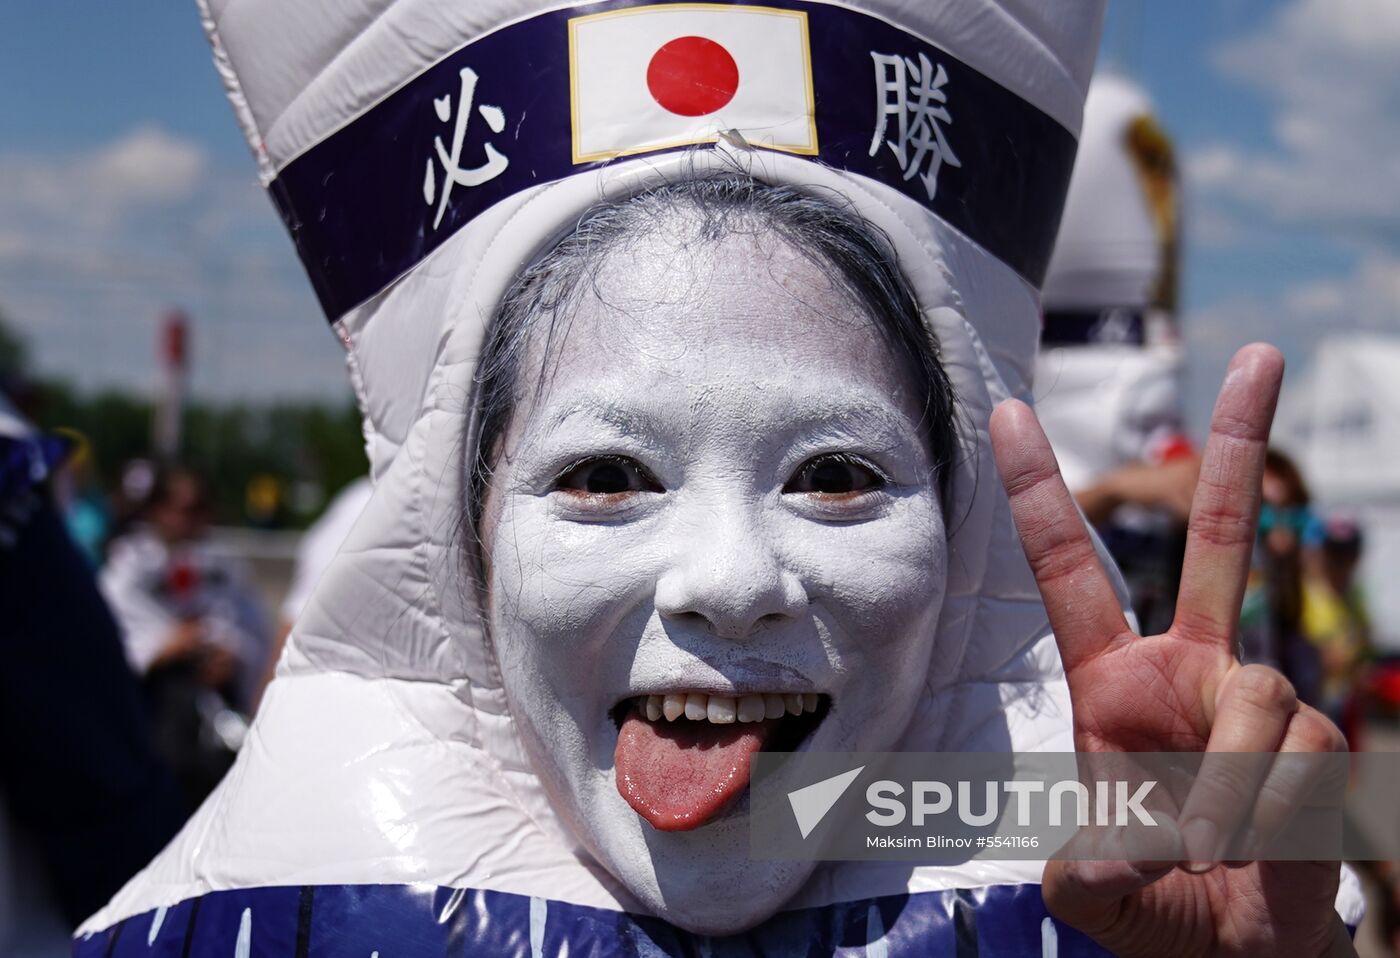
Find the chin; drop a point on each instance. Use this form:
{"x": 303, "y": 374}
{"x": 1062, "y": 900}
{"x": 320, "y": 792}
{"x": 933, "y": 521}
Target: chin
{"x": 703, "y": 880}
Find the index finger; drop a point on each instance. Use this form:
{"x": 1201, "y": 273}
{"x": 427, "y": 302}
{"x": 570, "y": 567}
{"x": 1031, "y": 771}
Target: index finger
{"x": 1083, "y": 608}
{"x": 1220, "y": 534}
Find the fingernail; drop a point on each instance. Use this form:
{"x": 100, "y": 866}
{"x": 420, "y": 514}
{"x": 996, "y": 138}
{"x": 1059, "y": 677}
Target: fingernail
{"x": 1200, "y": 838}
{"x": 1249, "y": 847}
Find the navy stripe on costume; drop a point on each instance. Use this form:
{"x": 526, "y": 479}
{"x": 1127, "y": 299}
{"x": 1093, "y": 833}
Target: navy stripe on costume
{"x": 1115, "y": 326}
{"x": 405, "y": 921}
{"x": 357, "y": 203}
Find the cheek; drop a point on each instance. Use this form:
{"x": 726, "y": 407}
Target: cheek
{"x": 880, "y": 589}
{"x": 559, "y": 592}
{"x": 883, "y": 576}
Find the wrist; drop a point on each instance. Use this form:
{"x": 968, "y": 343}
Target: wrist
{"x": 1340, "y": 945}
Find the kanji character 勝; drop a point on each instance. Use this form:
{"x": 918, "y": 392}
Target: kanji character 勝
{"x": 913, "y": 94}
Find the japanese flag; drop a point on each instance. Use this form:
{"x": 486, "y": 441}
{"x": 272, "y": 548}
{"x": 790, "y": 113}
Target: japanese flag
{"x": 648, "y": 78}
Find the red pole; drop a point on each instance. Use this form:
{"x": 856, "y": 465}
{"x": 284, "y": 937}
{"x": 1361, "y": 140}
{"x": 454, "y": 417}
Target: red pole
{"x": 174, "y": 361}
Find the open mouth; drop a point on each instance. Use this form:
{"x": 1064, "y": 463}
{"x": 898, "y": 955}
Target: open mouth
{"x": 683, "y": 757}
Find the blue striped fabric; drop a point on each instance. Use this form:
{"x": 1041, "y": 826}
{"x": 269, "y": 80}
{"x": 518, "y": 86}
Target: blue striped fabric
{"x": 404, "y": 921}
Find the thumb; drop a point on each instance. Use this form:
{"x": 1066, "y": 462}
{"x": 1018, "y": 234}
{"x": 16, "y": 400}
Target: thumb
{"x": 1090, "y": 895}
{"x": 1101, "y": 870}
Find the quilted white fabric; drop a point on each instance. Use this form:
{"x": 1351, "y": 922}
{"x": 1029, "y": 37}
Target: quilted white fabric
{"x": 384, "y": 752}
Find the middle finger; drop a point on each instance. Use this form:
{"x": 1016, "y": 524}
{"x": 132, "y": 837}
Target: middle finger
{"x": 1220, "y": 536}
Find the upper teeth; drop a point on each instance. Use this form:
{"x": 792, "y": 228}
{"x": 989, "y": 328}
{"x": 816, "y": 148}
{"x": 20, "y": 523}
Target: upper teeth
{"x": 727, "y": 709}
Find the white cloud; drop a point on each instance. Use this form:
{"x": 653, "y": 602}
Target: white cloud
{"x": 147, "y": 165}
{"x": 96, "y": 244}
{"x": 146, "y": 168}
{"x": 1295, "y": 319}
{"x": 1330, "y": 70}
{"x": 1213, "y": 165}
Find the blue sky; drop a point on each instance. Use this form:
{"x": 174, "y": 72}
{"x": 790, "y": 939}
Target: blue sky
{"x": 125, "y": 187}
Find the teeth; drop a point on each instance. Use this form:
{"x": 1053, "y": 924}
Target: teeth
{"x": 721, "y": 710}
{"x": 673, "y": 706}
{"x": 726, "y": 709}
{"x": 751, "y": 708}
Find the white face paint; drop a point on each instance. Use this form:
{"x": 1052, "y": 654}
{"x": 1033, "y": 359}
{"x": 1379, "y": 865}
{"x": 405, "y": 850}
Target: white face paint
{"x": 696, "y": 397}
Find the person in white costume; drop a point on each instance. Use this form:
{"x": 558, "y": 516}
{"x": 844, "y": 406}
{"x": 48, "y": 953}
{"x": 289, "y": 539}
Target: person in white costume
{"x": 1108, "y": 376}
{"x": 678, "y": 329}
{"x": 1107, "y": 379}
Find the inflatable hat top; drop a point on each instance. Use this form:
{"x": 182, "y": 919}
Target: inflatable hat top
{"x": 402, "y": 777}
{"x": 1118, "y": 241}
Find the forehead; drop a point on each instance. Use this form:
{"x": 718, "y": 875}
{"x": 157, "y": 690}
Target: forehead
{"x": 746, "y": 312}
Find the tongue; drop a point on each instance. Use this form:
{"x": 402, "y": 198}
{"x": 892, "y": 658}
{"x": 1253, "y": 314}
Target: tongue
{"x": 679, "y": 775}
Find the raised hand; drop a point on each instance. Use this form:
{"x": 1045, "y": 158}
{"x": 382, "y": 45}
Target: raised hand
{"x": 1183, "y": 690}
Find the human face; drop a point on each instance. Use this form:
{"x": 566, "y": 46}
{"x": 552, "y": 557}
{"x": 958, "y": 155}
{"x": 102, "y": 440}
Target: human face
{"x": 1282, "y": 518}
{"x": 719, "y": 493}
{"x": 183, "y": 516}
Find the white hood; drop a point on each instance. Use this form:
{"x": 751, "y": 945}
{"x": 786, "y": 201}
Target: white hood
{"x": 385, "y": 753}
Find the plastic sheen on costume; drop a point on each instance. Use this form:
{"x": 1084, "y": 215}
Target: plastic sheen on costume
{"x": 421, "y": 153}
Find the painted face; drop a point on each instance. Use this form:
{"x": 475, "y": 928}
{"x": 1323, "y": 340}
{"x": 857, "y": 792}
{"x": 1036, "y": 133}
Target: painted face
{"x": 713, "y": 528}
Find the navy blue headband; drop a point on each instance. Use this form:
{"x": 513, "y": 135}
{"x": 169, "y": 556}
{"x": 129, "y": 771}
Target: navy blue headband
{"x": 544, "y": 98}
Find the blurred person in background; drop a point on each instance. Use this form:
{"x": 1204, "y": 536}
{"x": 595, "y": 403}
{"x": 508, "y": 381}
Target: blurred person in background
{"x": 1271, "y": 619}
{"x": 1107, "y": 378}
{"x": 1334, "y": 619}
{"x": 192, "y": 626}
{"x": 86, "y": 801}
{"x": 85, "y": 511}
{"x": 131, "y": 494}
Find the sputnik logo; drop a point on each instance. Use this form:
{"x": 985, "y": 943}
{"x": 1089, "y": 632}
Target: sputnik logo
{"x": 811, "y": 803}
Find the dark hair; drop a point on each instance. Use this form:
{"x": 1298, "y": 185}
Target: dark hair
{"x": 164, "y": 483}
{"x": 829, "y": 232}
{"x": 1290, "y": 475}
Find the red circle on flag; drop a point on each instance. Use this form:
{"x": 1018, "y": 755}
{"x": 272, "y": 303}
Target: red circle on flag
{"x": 692, "y": 76}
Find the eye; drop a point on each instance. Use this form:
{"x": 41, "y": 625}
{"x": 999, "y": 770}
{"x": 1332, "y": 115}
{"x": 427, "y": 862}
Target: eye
{"x": 606, "y": 476}
{"x": 836, "y": 474}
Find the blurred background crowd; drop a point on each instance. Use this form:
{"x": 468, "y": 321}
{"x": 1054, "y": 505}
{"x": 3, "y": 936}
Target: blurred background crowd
{"x": 172, "y": 483}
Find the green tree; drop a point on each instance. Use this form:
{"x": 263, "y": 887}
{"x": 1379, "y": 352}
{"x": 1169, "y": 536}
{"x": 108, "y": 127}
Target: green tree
{"x": 14, "y": 352}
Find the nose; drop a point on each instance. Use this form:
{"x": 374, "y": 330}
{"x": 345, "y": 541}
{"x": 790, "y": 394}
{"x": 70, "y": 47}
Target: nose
{"x": 727, "y": 575}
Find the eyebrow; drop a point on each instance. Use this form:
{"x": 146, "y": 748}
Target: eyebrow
{"x": 860, "y": 417}
{"x": 601, "y": 409}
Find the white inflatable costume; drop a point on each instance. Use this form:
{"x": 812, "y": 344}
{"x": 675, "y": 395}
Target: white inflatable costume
{"x": 1108, "y": 380}
{"x": 422, "y": 153}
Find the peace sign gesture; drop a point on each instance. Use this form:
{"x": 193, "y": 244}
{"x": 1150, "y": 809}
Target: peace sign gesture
{"x": 1183, "y": 690}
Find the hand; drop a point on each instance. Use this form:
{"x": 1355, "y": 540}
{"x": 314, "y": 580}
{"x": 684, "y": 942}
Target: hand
{"x": 217, "y": 666}
{"x": 1168, "y": 486}
{"x": 182, "y": 644}
{"x": 1183, "y": 690}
